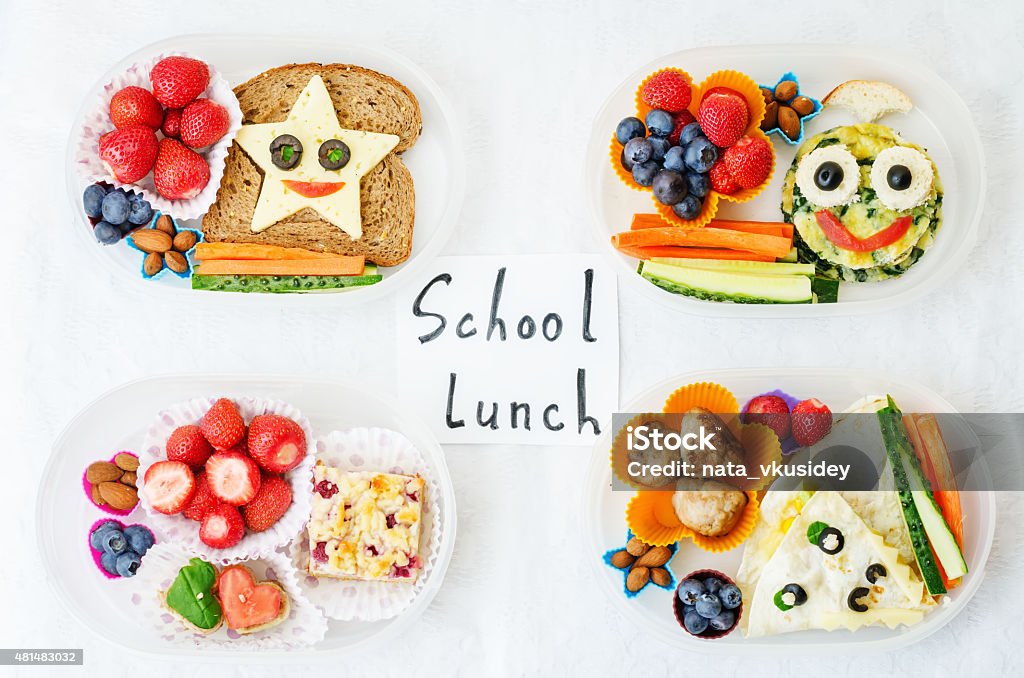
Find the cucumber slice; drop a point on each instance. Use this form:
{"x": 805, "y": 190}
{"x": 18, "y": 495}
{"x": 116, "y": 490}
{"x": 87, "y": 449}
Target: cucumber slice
{"x": 281, "y": 284}
{"x": 730, "y": 266}
{"x": 825, "y": 291}
{"x": 740, "y": 288}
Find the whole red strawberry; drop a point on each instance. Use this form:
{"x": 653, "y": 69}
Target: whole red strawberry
{"x": 180, "y": 173}
{"x": 129, "y": 153}
{"x": 172, "y": 123}
{"x": 178, "y": 80}
{"x": 770, "y": 410}
{"x": 277, "y": 443}
{"x": 668, "y": 90}
{"x": 135, "y": 106}
{"x": 812, "y": 420}
{"x": 203, "y": 122}
{"x": 723, "y": 116}
{"x": 269, "y": 504}
{"x": 188, "y": 445}
{"x": 682, "y": 119}
{"x": 721, "y": 181}
{"x": 223, "y": 425}
{"x": 222, "y": 527}
{"x": 749, "y": 161}
{"x": 202, "y": 499}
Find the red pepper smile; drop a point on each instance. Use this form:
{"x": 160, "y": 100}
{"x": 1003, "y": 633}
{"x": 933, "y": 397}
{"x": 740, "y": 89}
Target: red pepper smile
{"x": 841, "y": 237}
{"x": 313, "y": 189}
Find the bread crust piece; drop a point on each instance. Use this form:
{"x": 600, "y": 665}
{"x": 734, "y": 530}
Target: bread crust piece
{"x": 364, "y": 100}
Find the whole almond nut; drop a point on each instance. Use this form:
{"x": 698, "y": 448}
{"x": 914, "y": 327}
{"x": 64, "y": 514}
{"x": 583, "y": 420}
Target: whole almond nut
{"x": 637, "y": 578}
{"x": 622, "y": 559}
{"x": 802, "y": 105}
{"x": 789, "y": 122}
{"x": 126, "y": 462}
{"x": 166, "y": 224}
{"x": 656, "y": 557}
{"x": 176, "y": 261}
{"x": 184, "y": 241}
{"x": 152, "y": 240}
{"x": 120, "y": 497}
{"x": 129, "y": 478}
{"x": 152, "y": 264}
{"x": 635, "y": 547}
{"x": 101, "y": 472}
{"x": 96, "y": 498}
{"x": 785, "y": 90}
{"x": 768, "y": 95}
{"x": 771, "y": 116}
{"x": 660, "y": 577}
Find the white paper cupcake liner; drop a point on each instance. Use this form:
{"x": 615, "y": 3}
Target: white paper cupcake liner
{"x": 177, "y": 529}
{"x": 383, "y": 450}
{"x": 304, "y": 626}
{"x": 97, "y": 122}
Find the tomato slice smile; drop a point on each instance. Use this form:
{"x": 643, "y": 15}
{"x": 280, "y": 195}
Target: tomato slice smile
{"x": 841, "y": 237}
{"x": 313, "y": 189}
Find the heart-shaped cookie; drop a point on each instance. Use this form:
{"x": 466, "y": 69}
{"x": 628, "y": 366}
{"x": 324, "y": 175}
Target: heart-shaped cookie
{"x": 250, "y": 606}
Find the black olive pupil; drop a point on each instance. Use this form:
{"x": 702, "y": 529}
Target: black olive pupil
{"x": 823, "y": 540}
{"x": 829, "y": 176}
{"x": 799, "y": 595}
{"x": 875, "y": 572}
{"x": 853, "y": 600}
{"x": 899, "y": 177}
{"x": 334, "y": 154}
{"x": 285, "y": 151}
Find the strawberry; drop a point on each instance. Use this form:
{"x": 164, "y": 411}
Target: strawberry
{"x": 682, "y": 119}
{"x": 134, "y": 106}
{"x": 188, "y": 446}
{"x": 178, "y": 80}
{"x": 129, "y": 153}
{"x": 180, "y": 173}
{"x": 277, "y": 443}
{"x": 202, "y": 499}
{"x": 721, "y": 181}
{"x": 723, "y": 115}
{"x": 172, "y": 123}
{"x": 169, "y": 485}
{"x": 749, "y": 161}
{"x": 812, "y": 420}
{"x": 667, "y": 90}
{"x": 269, "y": 504}
{"x": 233, "y": 478}
{"x": 221, "y": 527}
{"x": 222, "y": 424}
{"x": 770, "y": 410}
{"x": 203, "y": 122}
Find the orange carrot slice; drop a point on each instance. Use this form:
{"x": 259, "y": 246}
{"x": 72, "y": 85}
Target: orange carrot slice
{"x": 779, "y": 228}
{"x": 232, "y": 250}
{"x": 770, "y": 245}
{"x": 349, "y": 265}
{"x": 692, "y": 253}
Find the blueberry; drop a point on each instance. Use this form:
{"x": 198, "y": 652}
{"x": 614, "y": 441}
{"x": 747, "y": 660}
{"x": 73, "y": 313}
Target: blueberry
{"x": 115, "y": 207}
{"x": 97, "y": 534}
{"x": 113, "y": 541}
{"x": 107, "y": 233}
{"x": 92, "y": 200}
{"x": 139, "y": 538}
{"x": 626, "y": 162}
{"x": 708, "y": 605}
{"x": 694, "y": 623}
{"x": 688, "y": 208}
{"x": 723, "y": 621}
{"x": 638, "y": 150}
{"x": 674, "y": 159}
{"x": 128, "y": 563}
{"x": 629, "y": 128}
{"x": 126, "y": 228}
{"x": 660, "y": 123}
{"x": 712, "y": 584}
{"x": 139, "y": 210}
{"x": 688, "y": 591}
{"x": 699, "y": 184}
{"x": 669, "y": 187}
{"x": 659, "y": 146}
{"x": 700, "y": 155}
{"x": 108, "y": 561}
{"x": 644, "y": 172}
{"x": 730, "y": 596}
{"x": 689, "y": 133}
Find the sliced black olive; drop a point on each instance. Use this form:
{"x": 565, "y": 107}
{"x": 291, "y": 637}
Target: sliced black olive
{"x": 824, "y": 541}
{"x": 875, "y": 572}
{"x": 286, "y": 151}
{"x": 334, "y": 154}
{"x": 853, "y": 600}
{"x": 828, "y": 176}
{"x": 899, "y": 177}
{"x": 799, "y": 595}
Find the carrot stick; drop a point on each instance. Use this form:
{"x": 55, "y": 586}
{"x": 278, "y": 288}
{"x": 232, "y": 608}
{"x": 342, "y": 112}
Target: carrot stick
{"x": 232, "y": 250}
{"x": 948, "y": 497}
{"x": 352, "y": 265}
{"x": 771, "y": 245}
{"x": 692, "y": 253}
{"x": 779, "y": 228}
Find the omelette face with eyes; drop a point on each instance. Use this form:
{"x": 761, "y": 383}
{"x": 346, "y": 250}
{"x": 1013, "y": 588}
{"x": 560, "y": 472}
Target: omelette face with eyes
{"x": 865, "y": 204}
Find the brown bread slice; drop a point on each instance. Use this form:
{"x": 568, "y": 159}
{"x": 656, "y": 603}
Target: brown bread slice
{"x": 365, "y": 100}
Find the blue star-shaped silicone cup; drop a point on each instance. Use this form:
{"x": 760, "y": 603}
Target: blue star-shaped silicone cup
{"x": 817, "y": 109}
{"x": 607, "y": 557}
{"x": 163, "y": 271}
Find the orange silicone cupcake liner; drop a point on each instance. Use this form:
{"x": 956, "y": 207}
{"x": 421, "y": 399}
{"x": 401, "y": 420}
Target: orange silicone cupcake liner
{"x": 707, "y": 212}
{"x": 761, "y": 447}
{"x": 652, "y": 518}
{"x": 707, "y": 394}
{"x": 737, "y": 535}
{"x": 620, "y": 453}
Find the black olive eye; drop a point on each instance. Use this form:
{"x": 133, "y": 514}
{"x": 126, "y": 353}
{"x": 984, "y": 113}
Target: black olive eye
{"x": 286, "y": 151}
{"x": 831, "y": 540}
{"x": 334, "y": 154}
{"x": 799, "y": 595}
{"x": 899, "y": 177}
{"x": 875, "y": 572}
{"x": 828, "y": 176}
{"x": 853, "y": 600}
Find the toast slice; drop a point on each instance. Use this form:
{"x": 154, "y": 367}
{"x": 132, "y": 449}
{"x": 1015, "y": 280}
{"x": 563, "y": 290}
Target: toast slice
{"x": 364, "y": 100}
{"x": 868, "y": 99}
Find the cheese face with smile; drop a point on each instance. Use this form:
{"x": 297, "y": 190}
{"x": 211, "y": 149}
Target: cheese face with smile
{"x": 314, "y": 179}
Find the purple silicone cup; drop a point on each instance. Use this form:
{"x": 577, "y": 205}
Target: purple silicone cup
{"x": 789, "y": 445}
{"x": 677, "y": 605}
{"x": 96, "y": 555}
{"x": 87, "y": 488}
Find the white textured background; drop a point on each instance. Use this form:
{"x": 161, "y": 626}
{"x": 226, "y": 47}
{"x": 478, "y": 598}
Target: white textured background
{"x": 526, "y": 79}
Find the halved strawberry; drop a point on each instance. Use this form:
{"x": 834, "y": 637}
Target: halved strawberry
{"x": 222, "y": 527}
{"x": 277, "y": 443}
{"x": 223, "y": 425}
{"x": 202, "y": 499}
{"x": 269, "y": 504}
{"x": 188, "y": 445}
{"x": 133, "y": 106}
{"x": 129, "y": 153}
{"x": 233, "y": 478}
{"x": 168, "y": 486}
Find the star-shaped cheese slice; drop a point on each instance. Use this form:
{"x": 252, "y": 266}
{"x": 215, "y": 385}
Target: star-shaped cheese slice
{"x": 313, "y": 121}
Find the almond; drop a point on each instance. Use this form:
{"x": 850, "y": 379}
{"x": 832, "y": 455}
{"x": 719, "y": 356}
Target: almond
{"x": 622, "y": 559}
{"x": 120, "y": 497}
{"x": 101, "y": 472}
{"x": 184, "y": 241}
{"x": 656, "y": 557}
{"x": 637, "y": 578}
{"x": 635, "y": 547}
{"x": 789, "y": 122}
{"x": 126, "y": 462}
{"x": 785, "y": 90}
{"x": 768, "y": 95}
{"x": 129, "y": 478}
{"x": 176, "y": 261}
{"x": 152, "y": 264}
{"x": 771, "y": 117}
{"x": 166, "y": 224}
{"x": 96, "y": 498}
{"x": 151, "y": 240}
{"x": 661, "y": 577}
{"x": 802, "y": 105}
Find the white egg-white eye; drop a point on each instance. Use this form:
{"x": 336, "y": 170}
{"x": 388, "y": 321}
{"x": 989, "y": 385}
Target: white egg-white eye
{"x": 828, "y": 176}
{"x": 902, "y": 177}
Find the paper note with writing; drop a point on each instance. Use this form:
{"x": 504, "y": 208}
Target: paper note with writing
{"x": 511, "y": 349}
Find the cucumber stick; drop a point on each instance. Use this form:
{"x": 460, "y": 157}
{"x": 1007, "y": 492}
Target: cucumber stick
{"x": 281, "y": 284}
{"x": 742, "y": 288}
{"x": 738, "y": 266}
